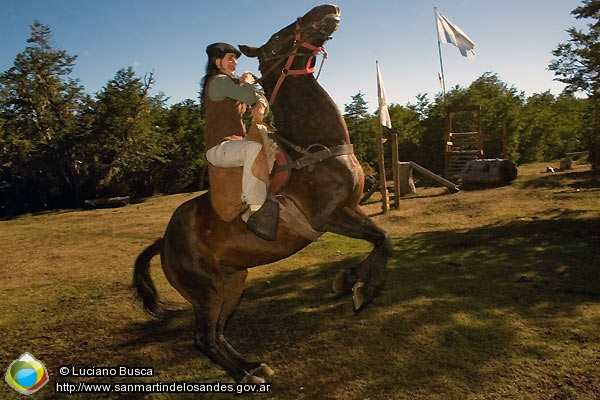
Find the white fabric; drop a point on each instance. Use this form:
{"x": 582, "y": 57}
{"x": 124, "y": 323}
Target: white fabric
{"x": 450, "y": 33}
{"x": 384, "y": 115}
{"x": 241, "y": 153}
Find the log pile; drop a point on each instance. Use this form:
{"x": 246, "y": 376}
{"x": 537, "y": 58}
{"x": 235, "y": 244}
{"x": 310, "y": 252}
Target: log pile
{"x": 112, "y": 202}
{"x": 488, "y": 172}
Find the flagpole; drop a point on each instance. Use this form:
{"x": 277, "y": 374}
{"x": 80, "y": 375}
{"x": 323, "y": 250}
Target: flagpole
{"x": 443, "y": 79}
{"x": 380, "y": 159}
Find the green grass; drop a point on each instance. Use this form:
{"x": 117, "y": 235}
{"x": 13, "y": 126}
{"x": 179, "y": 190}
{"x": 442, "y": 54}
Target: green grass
{"x": 490, "y": 294}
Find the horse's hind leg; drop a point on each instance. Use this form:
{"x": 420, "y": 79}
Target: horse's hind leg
{"x": 205, "y": 286}
{"x": 368, "y": 277}
{"x": 192, "y": 268}
{"x": 234, "y": 280}
{"x": 207, "y": 340}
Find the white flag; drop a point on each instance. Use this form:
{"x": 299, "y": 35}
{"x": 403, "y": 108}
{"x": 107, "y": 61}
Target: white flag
{"x": 384, "y": 115}
{"x": 450, "y": 33}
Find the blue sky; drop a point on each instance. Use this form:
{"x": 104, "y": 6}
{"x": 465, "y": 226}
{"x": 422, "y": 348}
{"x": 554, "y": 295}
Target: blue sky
{"x": 514, "y": 39}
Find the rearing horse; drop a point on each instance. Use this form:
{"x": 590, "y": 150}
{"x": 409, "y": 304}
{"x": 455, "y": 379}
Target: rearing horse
{"x": 206, "y": 259}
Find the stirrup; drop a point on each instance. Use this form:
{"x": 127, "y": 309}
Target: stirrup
{"x": 265, "y": 221}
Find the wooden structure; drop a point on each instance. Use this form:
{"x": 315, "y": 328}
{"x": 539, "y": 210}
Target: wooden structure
{"x": 382, "y": 180}
{"x": 462, "y": 147}
{"x": 396, "y": 173}
{"x": 405, "y": 183}
{"x": 577, "y": 154}
{"x": 425, "y": 172}
{"x": 567, "y": 162}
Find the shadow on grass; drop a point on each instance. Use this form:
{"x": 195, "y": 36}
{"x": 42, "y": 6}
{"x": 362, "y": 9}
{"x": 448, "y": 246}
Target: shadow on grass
{"x": 449, "y": 318}
{"x": 575, "y": 179}
{"x": 174, "y": 326}
{"x": 447, "y": 308}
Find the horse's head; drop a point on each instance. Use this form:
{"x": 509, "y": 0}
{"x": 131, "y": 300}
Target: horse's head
{"x": 292, "y": 50}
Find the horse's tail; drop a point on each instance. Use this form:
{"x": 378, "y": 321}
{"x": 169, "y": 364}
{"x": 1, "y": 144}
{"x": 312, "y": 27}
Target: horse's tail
{"x": 142, "y": 282}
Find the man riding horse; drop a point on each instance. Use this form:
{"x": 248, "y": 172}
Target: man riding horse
{"x": 206, "y": 257}
{"x": 225, "y": 98}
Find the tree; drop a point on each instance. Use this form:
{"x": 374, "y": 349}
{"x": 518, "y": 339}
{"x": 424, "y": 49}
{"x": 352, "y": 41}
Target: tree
{"x": 362, "y": 128}
{"x": 184, "y": 124}
{"x": 578, "y": 66}
{"x": 551, "y": 127}
{"x": 356, "y": 110}
{"x": 429, "y": 133}
{"x": 537, "y": 127}
{"x": 572, "y": 123}
{"x": 432, "y": 138}
{"x": 38, "y": 107}
{"x": 129, "y": 151}
{"x": 501, "y": 105}
{"x": 407, "y": 125}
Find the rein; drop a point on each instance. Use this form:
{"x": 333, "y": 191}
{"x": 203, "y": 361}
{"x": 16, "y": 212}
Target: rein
{"x": 298, "y": 43}
{"x": 309, "y": 158}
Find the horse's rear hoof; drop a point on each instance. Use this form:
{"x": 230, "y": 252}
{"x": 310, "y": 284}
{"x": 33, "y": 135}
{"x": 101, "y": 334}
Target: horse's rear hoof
{"x": 251, "y": 376}
{"x": 252, "y": 379}
{"x": 267, "y": 370}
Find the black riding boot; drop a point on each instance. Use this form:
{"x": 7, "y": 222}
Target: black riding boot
{"x": 263, "y": 223}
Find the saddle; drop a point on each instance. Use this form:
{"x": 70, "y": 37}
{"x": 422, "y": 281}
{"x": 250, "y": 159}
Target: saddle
{"x": 226, "y": 183}
{"x": 272, "y": 166}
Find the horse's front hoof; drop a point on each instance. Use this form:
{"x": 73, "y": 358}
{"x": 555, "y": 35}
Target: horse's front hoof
{"x": 343, "y": 282}
{"x": 362, "y": 295}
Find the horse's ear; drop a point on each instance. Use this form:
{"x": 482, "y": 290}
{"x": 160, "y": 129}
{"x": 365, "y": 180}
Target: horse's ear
{"x": 248, "y": 51}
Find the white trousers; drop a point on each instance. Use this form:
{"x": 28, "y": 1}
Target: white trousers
{"x": 241, "y": 153}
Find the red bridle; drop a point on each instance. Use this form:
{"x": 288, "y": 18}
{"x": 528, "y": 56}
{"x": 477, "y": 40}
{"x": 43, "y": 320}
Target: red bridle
{"x": 307, "y": 69}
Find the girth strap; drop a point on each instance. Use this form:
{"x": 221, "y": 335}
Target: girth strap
{"x": 316, "y": 157}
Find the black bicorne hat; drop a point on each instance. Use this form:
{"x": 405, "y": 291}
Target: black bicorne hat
{"x": 218, "y": 50}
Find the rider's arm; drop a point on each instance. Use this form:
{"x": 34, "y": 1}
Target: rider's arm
{"x": 222, "y": 86}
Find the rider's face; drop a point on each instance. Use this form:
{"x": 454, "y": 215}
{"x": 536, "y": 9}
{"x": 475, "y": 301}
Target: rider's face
{"x": 227, "y": 64}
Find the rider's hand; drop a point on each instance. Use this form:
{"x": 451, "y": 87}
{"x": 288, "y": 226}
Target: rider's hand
{"x": 258, "y": 112}
{"x": 247, "y": 77}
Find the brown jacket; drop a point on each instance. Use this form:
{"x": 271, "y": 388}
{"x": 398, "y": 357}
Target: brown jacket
{"x": 223, "y": 119}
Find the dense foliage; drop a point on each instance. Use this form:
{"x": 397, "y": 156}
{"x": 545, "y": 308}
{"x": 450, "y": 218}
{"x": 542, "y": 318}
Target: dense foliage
{"x": 60, "y": 146}
{"x": 542, "y": 127}
{"x": 578, "y": 66}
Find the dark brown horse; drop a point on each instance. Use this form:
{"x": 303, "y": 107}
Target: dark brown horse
{"x": 206, "y": 259}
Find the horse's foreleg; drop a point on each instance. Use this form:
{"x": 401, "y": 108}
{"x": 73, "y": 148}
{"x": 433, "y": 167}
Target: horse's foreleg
{"x": 366, "y": 279}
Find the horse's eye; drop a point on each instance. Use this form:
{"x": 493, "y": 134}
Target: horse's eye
{"x": 276, "y": 38}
